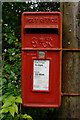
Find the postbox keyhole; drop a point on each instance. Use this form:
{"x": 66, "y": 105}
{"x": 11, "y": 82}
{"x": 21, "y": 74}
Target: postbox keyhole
{"x": 30, "y": 76}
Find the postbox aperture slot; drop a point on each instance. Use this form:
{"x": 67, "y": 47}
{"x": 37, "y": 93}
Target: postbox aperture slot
{"x": 41, "y": 30}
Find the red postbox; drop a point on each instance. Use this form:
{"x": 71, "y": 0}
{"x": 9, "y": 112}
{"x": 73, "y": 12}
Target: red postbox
{"x": 41, "y": 59}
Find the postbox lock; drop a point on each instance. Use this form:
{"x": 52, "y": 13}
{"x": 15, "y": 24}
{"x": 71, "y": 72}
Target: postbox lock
{"x": 41, "y": 54}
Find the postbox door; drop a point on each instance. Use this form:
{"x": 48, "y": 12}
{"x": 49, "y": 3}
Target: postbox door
{"x": 41, "y": 59}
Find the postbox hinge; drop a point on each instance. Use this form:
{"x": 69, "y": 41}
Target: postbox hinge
{"x": 70, "y": 94}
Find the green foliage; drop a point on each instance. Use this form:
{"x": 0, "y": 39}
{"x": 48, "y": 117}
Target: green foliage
{"x": 11, "y": 60}
{"x": 10, "y": 104}
{"x": 28, "y": 117}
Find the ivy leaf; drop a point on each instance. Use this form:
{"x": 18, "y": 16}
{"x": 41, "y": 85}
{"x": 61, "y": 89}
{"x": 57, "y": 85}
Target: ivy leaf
{"x": 1, "y": 98}
{"x": 12, "y": 110}
{"x": 16, "y": 108}
{"x": 4, "y": 110}
{"x": 29, "y": 117}
{"x": 2, "y": 115}
{"x": 18, "y": 100}
{"x": 4, "y": 98}
{"x": 4, "y": 81}
{"x": 10, "y": 58}
{"x": 24, "y": 116}
{"x": 11, "y": 98}
{"x": 9, "y": 85}
{"x": 6, "y": 104}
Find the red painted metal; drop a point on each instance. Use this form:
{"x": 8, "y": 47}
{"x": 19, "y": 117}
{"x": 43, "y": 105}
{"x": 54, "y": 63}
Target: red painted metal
{"x": 70, "y": 94}
{"x": 71, "y": 50}
{"x": 41, "y": 31}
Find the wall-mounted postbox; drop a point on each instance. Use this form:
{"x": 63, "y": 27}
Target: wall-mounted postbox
{"x": 41, "y": 59}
